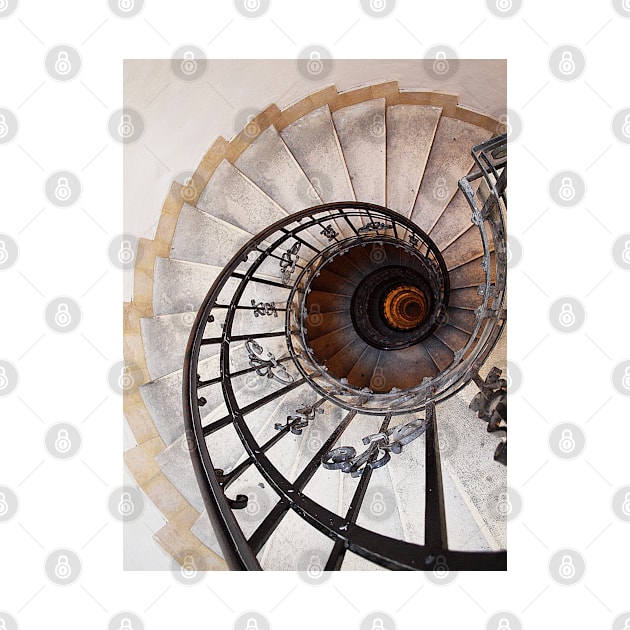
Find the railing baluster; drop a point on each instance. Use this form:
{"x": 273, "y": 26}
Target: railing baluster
{"x": 434, "y": 515}
{"x": 213, "y": 340}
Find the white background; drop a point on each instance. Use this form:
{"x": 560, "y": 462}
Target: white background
{"x": 63, "y": 378}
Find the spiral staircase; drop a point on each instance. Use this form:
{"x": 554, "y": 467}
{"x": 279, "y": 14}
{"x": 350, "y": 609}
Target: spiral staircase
{"x": 326, "y": 297}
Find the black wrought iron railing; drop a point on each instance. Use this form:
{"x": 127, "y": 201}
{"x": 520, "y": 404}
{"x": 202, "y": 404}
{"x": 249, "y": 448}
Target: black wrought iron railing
{"x": 255, "y": 314}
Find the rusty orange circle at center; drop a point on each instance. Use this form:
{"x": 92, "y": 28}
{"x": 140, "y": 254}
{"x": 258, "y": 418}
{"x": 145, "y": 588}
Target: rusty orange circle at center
{"x": 405, "y": 307}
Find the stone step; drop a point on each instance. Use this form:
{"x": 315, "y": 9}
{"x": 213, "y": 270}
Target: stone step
{"x": 361, "y": 373}
{"x": 203, "y": 238}
{"x": 462, "y": 319}
{"x": 406, "y": 367}
{"x": 235, "y": 199}
{"x": 313, "y": 141}
{"x": 451, "y": 337}
{"x": 447, "y": 163}
{"x": 440, "y": 353}
{"x": 271, "y": 166}
{"x": 180, "y": 286}
{"x": 466, "y": 248}
{"x": 467, "y": 298}
{"x": 410, "y": 133}
{"x": 455, "y": 220}
{"x": 362, "y": 135}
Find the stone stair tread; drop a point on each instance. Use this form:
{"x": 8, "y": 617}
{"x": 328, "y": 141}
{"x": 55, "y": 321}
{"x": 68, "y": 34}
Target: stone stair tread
{"x": 447, "y": 163}
{"x": 203, "y": 238}
{"x": 329, "y": 302}
{"x": 461, "y": 318}
{"x": 466, "y": 248}
{"x": 410, "y": 133}
{"x": 466, "y": 298}
{"x": 180, "y": 286}
{"x": 314, "y": 143}
{"x": 454, "y": 221}
{"x": 361, "y": 373}
{"x": 406, "y": 367}
{"x": 330, "y": 282}
{"x": 469, "y": 274}
{"x": 272, "y": 167}
{"x": 452, "y": 337}
{"x": 441, "y": 354}
{"x": 328, "y": 345}
{"x": 362, "y": 135}
{"x": 328, "y": 323}
{"x": 342, "y": 361}
{"x": 233, "y": 197}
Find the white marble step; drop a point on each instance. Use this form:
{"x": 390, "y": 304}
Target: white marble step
{"x": 362, "y": 135}
{"x": 180, "y": 286}
{"x": 410, "y": 133}
{"x": 313, "y": 141}
{"x": 448, "y": 162}
{"x": 271, "y": 166}
{"x": 165, "y": 338}
{"x": 234, "y": 198}
{"x": 163, "y": 399}
{"x": 203, "y": 238}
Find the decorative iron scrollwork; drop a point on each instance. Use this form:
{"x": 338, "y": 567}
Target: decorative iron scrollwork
{"x": 266, "y": 364}
{"x": 305, "y": 413}
{"x": 288, "y": 262}
{"x": 264, "y": 308}
{"x": 378, "y": 453}
{"x": 329, "y": 233}
{"x": 375, "y": 226}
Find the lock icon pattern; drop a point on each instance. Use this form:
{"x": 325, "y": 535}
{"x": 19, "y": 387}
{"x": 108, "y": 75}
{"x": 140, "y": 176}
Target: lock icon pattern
{"x": 125, "y": 127}
{"x": 126, "y": 5}
{"x": 252, "y": 5}
{"x": 315, "y": 568}
{"x": 4, "y": 128}
{"x": 63, "y": 443}
{"x": 63, "y": 570}
{"x": 567, "y": 568}
{"x": 4, "y": 381}
{"x": 567, "y": 63}
{"x": 377, "y": 505}
{"x": 625, "y": 128}
{"x": 253, "y": 505}
{"x": 189, "y": 63}
{"x": 567, "y": 441}
{"x": 63, "y": 191}
{"x": 125, "y": 380}
{"x": 251, "y": 624}
{"x": 625, "y": 255}
{"x": 62, "y": 316}
{"x": 62, "y": 64}
{"x": 625, "y": 506}
{"x": 4, "y": 254}
{"x": 125, "y": 254}
{"x": 441, "y": 191}
{"x": 440, "y": 65}
{"x": 440, "y": 570}
{"x": 4, "y": 506}
{"x": 125, "y": 505}
{"x": 315, "y": 65}
{"x": 378, "y": 5}
{"x": 504, "y": 5}
{"x": 567, "y": 189}
{"x": 189, "y": 569}
{"x": 567, "y": 316}
{"x": 314, "y": 189}
{"x": 125, "y": 624}
{"x": 504, "y": 624}
{"x": 378, "y": 624}
{"x": 625, "y": 381}
{"x": 504, "y": 506}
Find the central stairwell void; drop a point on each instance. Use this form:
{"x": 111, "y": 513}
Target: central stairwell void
{"x": 340, "y": 275}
